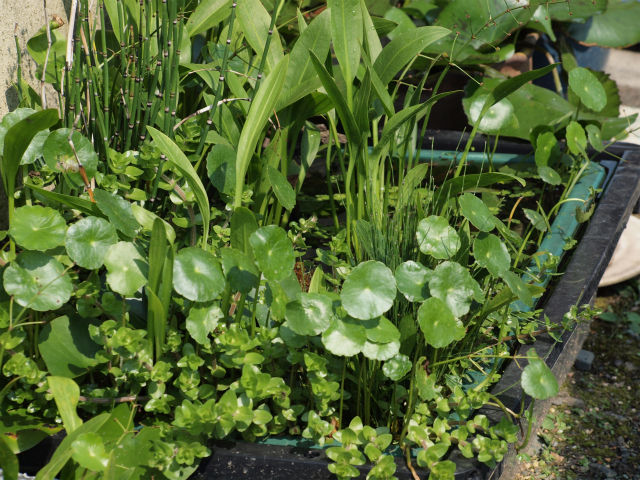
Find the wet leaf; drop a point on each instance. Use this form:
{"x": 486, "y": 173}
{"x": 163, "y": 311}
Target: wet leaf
{"x": 475, "y": 210}
{"x": 87, "y": 241}
{"x": 537, "y": 379}
{"x": 588, "y": 88}
{"x": 126, "y": 269}
{"x": 197, "y": 275}
{"x": 369, "y": 290}
{"x": 438, "y": 324}
{"x": 437, "y": 238}
{"x": 310, "y": 314}
{"x": 397, "y": 367}
{"x": 412, "y": 279}
{"x": 453, "y": 284}
{"x": 491, "y": 253}
{"x": 37, "y": 281}
{"x": 344, "y": 338}
{"x": 37, "y": 228}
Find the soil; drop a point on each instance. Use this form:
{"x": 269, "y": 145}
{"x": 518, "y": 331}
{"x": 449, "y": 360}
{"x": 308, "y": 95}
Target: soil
{"x": 593, "y": 431}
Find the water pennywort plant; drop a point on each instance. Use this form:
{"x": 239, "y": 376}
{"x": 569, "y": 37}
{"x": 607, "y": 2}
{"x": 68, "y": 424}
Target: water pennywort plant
{"x": 159, "y": 286}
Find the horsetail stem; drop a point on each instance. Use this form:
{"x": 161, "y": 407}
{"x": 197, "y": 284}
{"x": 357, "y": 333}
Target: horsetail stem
{"x": 267, "y": 44}
{"x": 219, "y": 89}
{"x": 106, "y": 135}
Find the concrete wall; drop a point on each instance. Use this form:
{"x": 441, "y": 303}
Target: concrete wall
{"x": 28, "y": 16}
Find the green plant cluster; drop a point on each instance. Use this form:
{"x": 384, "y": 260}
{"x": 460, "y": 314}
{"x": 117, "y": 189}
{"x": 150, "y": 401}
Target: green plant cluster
{"x": 164, "y": 287}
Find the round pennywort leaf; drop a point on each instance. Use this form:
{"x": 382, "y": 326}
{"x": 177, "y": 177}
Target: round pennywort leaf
{"x": 60, "y": 155}
{"x": 454, "y": 285}
{"x": 588, "y": 88}
{"x": 37, "y": 281}
{"x": 491, "y": 253}
{"x": 369, "y": 290}
{"x": 126, "y": 269}
{"x": 381, "y": 330}
{"x": 380, "y": 351}
{"x": 38, "y": 228}
{"x": 437, "y": 238}
{"x": 273, "y": 252}
{"x": 310, "y": 314}
{"x": 197, "y": 275}
{"x": 438, "y": 324}
{"x": 413, "y": 280}
{"x": 537, "y": 379}
{"x": 87, "y": 241}
{"x": 344, "y": 338}
{"x": 397, "y": 367}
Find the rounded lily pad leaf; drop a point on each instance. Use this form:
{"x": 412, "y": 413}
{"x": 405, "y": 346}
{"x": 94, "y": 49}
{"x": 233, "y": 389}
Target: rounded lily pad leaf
{"x": 381, "y": 330}
{"x": 197, "y": 275}
{"x": 397, "y": 367}
{"x": 518, "y": 286}
{"x": 438, "y": 324}
{"x": 344, "y": 338}
{"x": 291, "y": 338}
{"x": 60, "y": 156}
{"x": 126, "y": 269}
{"x": 87, "y": 241}
{"x": 369, "y": 290}
{"x": 273, "y": 252}
{"x": 491, "y": 253}
{"x": 413, "y": 280}
{"x": 549, "y": 175}
{"x": 588, "y": 88}
{"x": 437, "y": 238}
{"x": 89, "y": 451}
{"x": 475, "y": 210}
{"x": 37, "y": 281}
{"x": 310, "y": 314}
{"x": 454, "y": 285}
{"x": 381, "y": 351}
{"x": 38, "y": 228}
{"x": 239, "y": 269}
{"x": 538, "y": 380}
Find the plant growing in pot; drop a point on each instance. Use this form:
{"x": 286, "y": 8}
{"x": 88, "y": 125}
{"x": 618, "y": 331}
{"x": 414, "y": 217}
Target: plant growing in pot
{"x": 149, "y": 308}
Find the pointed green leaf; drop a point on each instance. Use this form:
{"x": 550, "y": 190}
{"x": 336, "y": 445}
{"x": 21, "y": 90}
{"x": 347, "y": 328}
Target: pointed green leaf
{"x": 261, "y": 109}
{"x": 281, "y": 188}
{"x": 346, "y": 34}
{"x": 118, "y": 211}
{"x": 182, "y": 163}
{"x": 207, "y": 15}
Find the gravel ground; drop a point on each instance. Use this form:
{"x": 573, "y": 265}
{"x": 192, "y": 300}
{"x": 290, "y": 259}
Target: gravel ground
{"x": 593, "y": 431}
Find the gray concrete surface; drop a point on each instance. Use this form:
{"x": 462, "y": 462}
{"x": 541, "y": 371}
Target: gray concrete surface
{"x": 624, "y": 67}
{"x": 25, "y": 17}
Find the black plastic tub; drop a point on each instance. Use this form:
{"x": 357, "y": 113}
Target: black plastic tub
{"x": 577, "y": 286}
